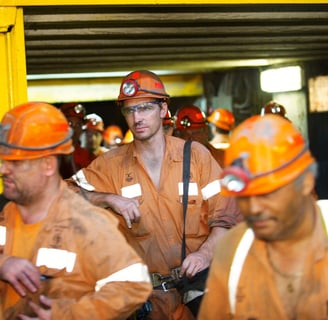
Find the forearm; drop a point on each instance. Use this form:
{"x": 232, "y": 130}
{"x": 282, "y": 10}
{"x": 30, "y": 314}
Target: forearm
{"x": 100, "y": 199}
{"x": 207, "y": 248}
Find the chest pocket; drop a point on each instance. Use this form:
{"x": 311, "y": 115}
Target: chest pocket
{"x": 194, "y": 209}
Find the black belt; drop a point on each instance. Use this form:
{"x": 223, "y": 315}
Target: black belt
{"x": 165, "y": 282}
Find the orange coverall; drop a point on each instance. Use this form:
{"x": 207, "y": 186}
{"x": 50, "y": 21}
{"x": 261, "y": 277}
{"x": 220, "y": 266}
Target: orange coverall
{"x": 257, "y": 296}
{"x": 157, "y": 237}
{"x": 108, "y": 279}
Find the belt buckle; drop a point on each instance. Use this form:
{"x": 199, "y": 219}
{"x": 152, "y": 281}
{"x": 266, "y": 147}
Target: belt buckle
{"x": 156, "y": 279}
{"x": 164, "y": 286}
{"x": 175, "y": 273}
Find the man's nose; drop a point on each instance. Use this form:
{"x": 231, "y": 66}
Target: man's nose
{"x": 255, "y": 205}
{"x": 4, "y": 167}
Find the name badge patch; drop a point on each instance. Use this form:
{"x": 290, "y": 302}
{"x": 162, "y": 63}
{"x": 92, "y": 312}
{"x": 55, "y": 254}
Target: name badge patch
{"x": 192, "y": 189}
{"x": 56, "y": 259}
{"x": 131, "y": 191}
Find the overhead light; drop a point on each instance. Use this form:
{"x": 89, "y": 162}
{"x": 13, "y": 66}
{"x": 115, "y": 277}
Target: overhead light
{"x": 87, "y": 75}
{"x": 282, "y": 79}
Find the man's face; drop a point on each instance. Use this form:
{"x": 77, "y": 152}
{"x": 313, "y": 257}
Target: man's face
{"x": 144, "y": 117}
{"x": 22, "y": 180}
{"x": 93, "y": 140}
{"x": 276, "y": 215}
{"x": 77, "y": 125}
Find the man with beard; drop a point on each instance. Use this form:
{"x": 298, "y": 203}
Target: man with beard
{"x": 275, "y": 264}
{"x": 60, "y": 256}
{"x": 142, "y": 183}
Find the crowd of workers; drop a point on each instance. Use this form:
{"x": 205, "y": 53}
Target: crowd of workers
{"x": 95, "y": 226}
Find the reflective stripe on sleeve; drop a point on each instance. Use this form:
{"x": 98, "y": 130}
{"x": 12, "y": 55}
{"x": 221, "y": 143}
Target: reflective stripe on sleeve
{"x": 82, "y": 181}
{"x": 2, "y": 235}
{"x": 137, "y": 272}
{"x": 211, "y": 189}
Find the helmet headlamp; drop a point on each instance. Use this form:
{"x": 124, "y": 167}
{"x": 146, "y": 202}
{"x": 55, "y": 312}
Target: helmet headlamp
{"x": 79, "y": 109}
{"x": 235, "y": 179}
{"x": 130, "y": 88}
{"x": 185, "y": 122}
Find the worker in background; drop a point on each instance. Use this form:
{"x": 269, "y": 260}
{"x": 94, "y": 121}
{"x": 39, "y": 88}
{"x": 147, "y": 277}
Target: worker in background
{"x": 141, "y": 183}
{"x": 80, "y": 158}
{"x": 112, "y": 137}
{"x": 168, "y": 123}
{"x": 221, "y": 123}
{"x": 61, "y": 257}
{"x": 273, "y": 107}
{"x": 190, "y": 123}
{"x": 275, "y": 265}
{"x": 94, "y": 128}
{"x": 128, "y": 137}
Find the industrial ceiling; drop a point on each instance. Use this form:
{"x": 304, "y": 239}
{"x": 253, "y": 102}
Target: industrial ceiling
{"x": 174, "y": 38}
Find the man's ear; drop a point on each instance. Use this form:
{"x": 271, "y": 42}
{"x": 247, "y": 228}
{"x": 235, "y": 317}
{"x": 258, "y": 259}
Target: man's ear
{"x": 50, "y": 165}
{"x": 308, "y": 183}
{"x": 164, "y": 108}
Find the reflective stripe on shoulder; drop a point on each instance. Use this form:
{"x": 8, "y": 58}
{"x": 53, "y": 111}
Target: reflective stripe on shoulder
{"x": 2, "y": 235}
{"x": 137, "y": 272}
{"x": 237, "y": 266}
{"x": 82, "y": 181}
{"x": 323, "y": 205}
{"x": 211, "y": 189}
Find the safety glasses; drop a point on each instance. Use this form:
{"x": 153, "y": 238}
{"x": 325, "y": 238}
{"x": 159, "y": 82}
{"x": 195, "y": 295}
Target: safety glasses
{"x": 144, "y": 108}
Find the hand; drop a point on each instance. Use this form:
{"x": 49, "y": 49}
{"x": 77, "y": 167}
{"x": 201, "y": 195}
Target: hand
{"x": 21, "y": 274}
{"x": 127, "y": 208}
{"x": 42, "y": 313}
{"x": 194, "y": 263}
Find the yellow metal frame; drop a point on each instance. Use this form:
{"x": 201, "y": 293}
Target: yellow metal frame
{"x": 13, "y": 82}
{"x": 146, "y": 2}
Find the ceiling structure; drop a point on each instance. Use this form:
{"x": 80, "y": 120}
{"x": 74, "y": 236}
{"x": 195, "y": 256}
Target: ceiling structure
{"x": 174, "y": 38}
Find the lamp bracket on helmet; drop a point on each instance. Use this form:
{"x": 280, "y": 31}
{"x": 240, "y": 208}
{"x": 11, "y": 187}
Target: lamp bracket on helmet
{"x": 131, "y": 87}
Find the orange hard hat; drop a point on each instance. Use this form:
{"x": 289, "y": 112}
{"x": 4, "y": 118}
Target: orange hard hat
{"x": 94, "y": 122}
{"x": 168, "y": 121}
{"x": 142, "y": 84}
{"x": 128, "y": 137}
{"x": 34, "y": 130}
{"x": 73, "y": 109}
{"x": 265, "y": 153}
{"x": 222, "y": 118}
{"x": 113, "y": 135}
{"x": 273, "y": 107}
{"x": 189, "y": 117}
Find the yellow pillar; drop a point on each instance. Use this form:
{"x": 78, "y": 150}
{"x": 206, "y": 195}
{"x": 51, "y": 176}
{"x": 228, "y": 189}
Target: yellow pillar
{"x": 13, "y": 81}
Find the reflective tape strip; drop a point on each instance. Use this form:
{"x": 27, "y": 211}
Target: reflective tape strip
{"x": 56, "y": 259}
{"x": 323, "y": 204}
{"x": 237, "y": 266}
{"x": 82, "y": 181}
{"x": 137, "y": 272}
{"x": 2, "y": 235}
{"x": 131, "y": 191}
{"x": 211, "y": 189}
{"x": 192, "y": 189}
